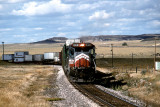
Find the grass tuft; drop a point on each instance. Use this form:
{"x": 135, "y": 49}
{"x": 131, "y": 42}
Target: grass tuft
{"x": 54, "y": 99}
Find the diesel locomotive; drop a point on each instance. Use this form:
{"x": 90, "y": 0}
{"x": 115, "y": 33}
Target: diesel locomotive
{"x": 78, "y": 60}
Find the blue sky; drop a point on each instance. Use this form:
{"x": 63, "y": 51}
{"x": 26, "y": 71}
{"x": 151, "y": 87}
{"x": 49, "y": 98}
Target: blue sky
{"x": 24, "y": 21}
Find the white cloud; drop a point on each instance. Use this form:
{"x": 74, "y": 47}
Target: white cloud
{"x": 61, "y": 34}
{"x": 6, "y": 29}
{"x": 12, "y": 1}
{"x": 155, "y": 23}
{"x": 87, "y": 6}
{"x": 19, "y": 36}
{"x": 70, "y": 23}
{"x": 100, "y": 15}
{"x": 106, "y": 24}
{"x": 38, "y": 28}
{"x": 37, "y": 8}
{"x": 1, "y": 7}
{"x": 15, "y": 1}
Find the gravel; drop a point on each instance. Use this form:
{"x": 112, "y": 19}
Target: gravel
{"x": 120, "y": 95}
{"x": 72, "y": 97}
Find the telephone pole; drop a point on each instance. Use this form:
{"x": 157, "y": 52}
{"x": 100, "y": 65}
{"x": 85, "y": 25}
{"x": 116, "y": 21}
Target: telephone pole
{"x": 112, "y": 54}
{"x": 155, "y": 56}
{"x": 3, "y": 50}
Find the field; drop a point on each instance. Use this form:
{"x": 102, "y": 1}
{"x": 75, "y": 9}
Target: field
{"x": 24, "y": 85}
{"x": 138, "y": 48}
{"x": 103, "y": 49}
{"x": 142, "y": 81}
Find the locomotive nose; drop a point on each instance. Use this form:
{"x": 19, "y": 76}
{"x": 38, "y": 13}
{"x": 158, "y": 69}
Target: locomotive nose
{"x": 82, "y": 61}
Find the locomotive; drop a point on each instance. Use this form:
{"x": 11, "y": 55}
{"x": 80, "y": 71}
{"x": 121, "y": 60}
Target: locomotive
{"x": 78, "y": 60}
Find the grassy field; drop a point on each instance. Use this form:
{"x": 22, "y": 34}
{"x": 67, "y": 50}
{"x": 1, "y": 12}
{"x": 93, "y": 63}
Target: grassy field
{"x": 24, "y": 85}
{"x": 143, "y": 84}
{"x": 103, "y": 49}
{"x": 126, "y": 62}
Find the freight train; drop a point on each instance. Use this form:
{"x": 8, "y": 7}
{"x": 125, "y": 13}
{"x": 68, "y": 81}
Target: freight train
{"x": 78, "y": 60}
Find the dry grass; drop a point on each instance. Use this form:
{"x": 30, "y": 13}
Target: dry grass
{"x": 23, "y": 85}
{"x": 101, "y": 48}
{"x": 144, "y": 85}
{"x": 125, "y": 51}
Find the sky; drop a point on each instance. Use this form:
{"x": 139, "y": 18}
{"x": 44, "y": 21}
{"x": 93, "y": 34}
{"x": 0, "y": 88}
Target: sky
{"x": 25, "y": 21}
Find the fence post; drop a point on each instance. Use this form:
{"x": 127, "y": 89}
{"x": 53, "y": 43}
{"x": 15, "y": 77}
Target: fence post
{"x": 136, "y": 69}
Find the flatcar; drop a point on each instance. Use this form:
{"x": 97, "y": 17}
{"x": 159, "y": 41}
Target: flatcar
{"x": 78, "y": 60}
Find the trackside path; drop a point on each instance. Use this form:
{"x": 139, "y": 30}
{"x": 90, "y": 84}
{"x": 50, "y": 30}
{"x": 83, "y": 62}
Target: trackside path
{"x": 72, "y": 97}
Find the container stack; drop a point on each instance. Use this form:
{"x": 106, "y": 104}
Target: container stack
{"x": 8, "y": 57}
{"x": 38, "y": 57}
{"x": 20, "y": 56}
{"x": 28, "y": 58}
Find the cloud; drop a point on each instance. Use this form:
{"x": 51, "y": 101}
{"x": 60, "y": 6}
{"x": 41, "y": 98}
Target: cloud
{"x": 70, "y": 23}
{"x": 87, "y": 6}
{"x": 155, "y": 23}
{"x": 38, "y": 28}
{"x": 61, "y": 34}
{"x": 19, "y": 36}
{"x": 6, "y": 29}
{"x": 41, "y": 8}
{"x": 106, "y": 24}
{"x": 100, "y": 15}
{"x": 12, "y": 1}
{"x": 1, "y": 7}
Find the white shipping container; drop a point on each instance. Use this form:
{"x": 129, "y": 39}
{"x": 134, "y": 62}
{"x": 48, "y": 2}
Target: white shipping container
{"x": 56, "y": 59}
{"x": 20, "y": 54}
{"x": 18, "y": 59}
{"x": 38, "y": 57}
{"x": 56, "y": 54}
{"x": 49, "y": 55}
{"x": 71, "y": 41}
{"x": 28, "y": 58}
{"x": 157, "y": 65}
{"x": 8, "y": 57}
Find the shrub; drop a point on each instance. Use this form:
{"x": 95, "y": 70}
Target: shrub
{"x": 124, "y": 44}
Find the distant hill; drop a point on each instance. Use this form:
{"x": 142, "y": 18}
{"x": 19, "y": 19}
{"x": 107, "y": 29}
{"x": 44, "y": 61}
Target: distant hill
{"x": 52, "y": 40}
{"x": 143, "y": 37}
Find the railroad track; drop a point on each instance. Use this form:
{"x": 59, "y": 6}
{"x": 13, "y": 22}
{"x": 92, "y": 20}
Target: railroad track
{"x": 100, "y": 97}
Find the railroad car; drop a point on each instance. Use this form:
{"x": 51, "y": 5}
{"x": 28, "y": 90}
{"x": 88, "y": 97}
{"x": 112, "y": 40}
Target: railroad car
{"x": 78, "y": 60}
{"x": 52, "y": 58}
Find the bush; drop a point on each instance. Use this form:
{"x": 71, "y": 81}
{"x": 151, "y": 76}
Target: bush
{"x": 124, "y": 44}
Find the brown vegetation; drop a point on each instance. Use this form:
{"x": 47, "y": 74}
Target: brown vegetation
{"x": 23, "y": 85}
{"x": 143, "y": 84}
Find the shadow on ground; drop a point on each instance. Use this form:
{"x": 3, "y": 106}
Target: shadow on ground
{"x": 107, "y": 80}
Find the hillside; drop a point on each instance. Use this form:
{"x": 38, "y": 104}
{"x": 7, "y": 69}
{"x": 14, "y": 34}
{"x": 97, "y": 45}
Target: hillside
{"x": 144, "y": 37}
{"x": 52, "y": 40}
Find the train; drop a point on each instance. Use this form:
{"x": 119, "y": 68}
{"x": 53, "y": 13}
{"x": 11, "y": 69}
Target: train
{"x": 79, "y": 60}
{"x": 25, "y": 57}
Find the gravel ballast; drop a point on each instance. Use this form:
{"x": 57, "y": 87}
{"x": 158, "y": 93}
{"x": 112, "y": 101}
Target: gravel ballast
{"x": 71, "y": 96}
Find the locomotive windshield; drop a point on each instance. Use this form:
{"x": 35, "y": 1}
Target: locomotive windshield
{"x": 71, "y": 52}
{"x": 79, "y": 49}
{"x": 82, "y": 49}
